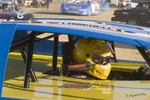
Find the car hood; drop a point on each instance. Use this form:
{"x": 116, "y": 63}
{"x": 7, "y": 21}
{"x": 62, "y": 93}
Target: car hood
{"x": 127, "y": 11}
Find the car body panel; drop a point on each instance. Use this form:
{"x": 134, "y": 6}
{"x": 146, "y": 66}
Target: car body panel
{"x": 61, "y": 87}
{"x": 107, "y": 30}
{"x": 80, "y": 7}
{"x": 65, "y": 88}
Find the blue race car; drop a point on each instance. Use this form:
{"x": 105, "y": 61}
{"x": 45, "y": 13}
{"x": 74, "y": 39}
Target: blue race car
{"x": 81, "y": 7}
{"x": 55, "y": 74}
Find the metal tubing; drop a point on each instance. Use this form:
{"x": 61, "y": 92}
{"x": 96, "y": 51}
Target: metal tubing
{"x": 29, "y": 61}
{"x": 24, "y": 56}
{"x": 145, "y": 54}
{"x": 55, "y": 53}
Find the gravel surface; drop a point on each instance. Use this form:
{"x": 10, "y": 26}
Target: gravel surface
{"x": 128, "y": 52}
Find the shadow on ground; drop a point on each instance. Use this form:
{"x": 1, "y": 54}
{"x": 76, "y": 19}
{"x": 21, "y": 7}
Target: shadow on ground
{"x": 56, "y": 13}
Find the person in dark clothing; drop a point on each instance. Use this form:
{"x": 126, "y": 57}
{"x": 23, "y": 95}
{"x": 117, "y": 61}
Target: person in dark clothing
{"x": 34, "y": 3}
{"x": 48, "y": 4}
{"x": 38, "y": 3}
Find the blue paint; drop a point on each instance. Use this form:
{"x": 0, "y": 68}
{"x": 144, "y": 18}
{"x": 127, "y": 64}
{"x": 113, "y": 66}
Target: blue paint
{"x": 80, "y": 8}
{"x": 6, "y": 98}
{"x": 46, "y": 48}
{"x": 6, "y": 34}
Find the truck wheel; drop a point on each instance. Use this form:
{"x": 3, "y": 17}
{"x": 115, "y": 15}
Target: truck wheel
{"x": 133, "y": 21}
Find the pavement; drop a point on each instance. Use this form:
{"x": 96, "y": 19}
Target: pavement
{"x": 128, "y": 52}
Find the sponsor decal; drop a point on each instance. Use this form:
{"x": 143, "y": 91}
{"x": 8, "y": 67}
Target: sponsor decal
{"x": 96, "y": 25}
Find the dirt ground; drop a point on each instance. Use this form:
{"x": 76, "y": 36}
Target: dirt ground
{"x": 129, "y": 52}
{"x": 54, "y": 12}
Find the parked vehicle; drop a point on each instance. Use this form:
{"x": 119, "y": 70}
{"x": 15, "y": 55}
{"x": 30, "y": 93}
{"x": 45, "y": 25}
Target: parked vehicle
{"x": 129, "y": 3}
{"x": 140, "y": 15}
{"x": 10, "y": 11}
{"x": 81, "y": 7}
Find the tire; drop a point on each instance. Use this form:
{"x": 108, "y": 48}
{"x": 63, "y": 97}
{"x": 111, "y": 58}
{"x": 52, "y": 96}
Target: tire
{"x": 20, "y": 16}
{"x": 133, "y": 21}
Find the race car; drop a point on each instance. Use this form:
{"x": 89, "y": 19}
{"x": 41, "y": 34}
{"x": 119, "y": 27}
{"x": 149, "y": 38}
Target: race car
{"x": 81, "y": 7}
{"x": 90, "y": 73}
{"x": 10, "y": 11}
